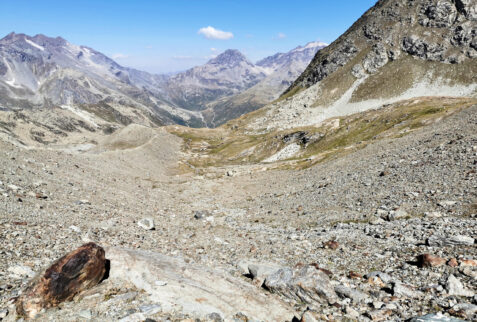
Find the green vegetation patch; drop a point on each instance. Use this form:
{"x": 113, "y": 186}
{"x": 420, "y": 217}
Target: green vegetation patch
{"x": 228, "y": 145}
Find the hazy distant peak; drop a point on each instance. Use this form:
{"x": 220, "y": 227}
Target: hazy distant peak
{"x": 38, "y": 39}
{"x": 229, "y": 57}
{"x": 311, "y": 45}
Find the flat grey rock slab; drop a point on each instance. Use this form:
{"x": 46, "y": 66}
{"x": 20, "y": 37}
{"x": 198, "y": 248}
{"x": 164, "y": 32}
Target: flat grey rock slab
{"x": 194, "y": 289}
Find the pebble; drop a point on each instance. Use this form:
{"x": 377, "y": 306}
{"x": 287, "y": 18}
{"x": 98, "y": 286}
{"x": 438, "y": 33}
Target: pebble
{"x": 434, "y": 318}
{"x": 455, "y": 287}
{"x": 160, "y": 283}
{"x": 399, "y": 289}
{"x": 355, "y": 295}
{"x": 75, "y": 229}
{"x": 3, "y": 313}
{"x": 437, "y": 240}
{"x": 86, "y": 314}
{"x": 135, "y": 317}
{"x": 146, "y": 223}
{"x": 150, "y": 309}
{"x": 21, "y": 270}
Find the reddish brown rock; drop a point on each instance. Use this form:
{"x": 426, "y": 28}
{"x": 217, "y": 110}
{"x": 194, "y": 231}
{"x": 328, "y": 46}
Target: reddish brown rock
{"x": 468, "y": 262}
{"x": 75, "y": 272}
{"x": 452, "y": 262}
{"x": 40, "y": 196}
{"x": 324, "y": 270}
{"x": 331, "y": 244}
{"x": 376, "y": 281}
{"x": 355, "y": 275}
{"x": 427, "y": 260}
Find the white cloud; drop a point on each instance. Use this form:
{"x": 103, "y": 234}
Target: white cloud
{"x": 213, "y": 49}
{"x": 212, "y": 33}
{"x": 281, "y": 35}
{"x": 119, "y": 56}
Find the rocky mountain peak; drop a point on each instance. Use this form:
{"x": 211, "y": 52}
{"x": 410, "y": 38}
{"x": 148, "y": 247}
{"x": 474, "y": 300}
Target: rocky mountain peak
{"x": 302, "y": 53}
{"x": 310, "y": 46}
{"x": 229, "y": 57}
{"x": 45, "y": 40}
{"x": 40, "y": 40}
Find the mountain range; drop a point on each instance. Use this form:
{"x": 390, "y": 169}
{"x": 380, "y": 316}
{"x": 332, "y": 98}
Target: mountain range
{"x": 43, "y": 72}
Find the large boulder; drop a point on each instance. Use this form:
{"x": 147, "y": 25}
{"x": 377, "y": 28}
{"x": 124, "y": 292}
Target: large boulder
{"x": 438, "y": 14}
{"x": 72, "y": 274}
{"x": 306, "y": 284}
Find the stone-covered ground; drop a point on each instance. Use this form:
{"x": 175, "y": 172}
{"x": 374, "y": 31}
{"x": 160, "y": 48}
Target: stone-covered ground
{"x": 362, "y": 221}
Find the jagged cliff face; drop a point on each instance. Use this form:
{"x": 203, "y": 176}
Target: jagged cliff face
{"x": 442, "y": 31}
{"x": 396, "y": 50}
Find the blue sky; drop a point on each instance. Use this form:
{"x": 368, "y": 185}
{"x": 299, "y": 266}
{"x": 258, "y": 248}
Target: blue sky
{"x": 163, "y": 36}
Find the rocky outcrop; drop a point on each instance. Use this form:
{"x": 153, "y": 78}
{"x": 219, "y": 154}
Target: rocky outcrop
{"x": 376, "y": 59}
{"x": 307, "y": 284}
{"x": 193, "y": 289}
{"x": 417, "y": 47}
{"x": 438, "y": 14}
{"x": 330, "y": 62}
{"x": 431, "y": 30}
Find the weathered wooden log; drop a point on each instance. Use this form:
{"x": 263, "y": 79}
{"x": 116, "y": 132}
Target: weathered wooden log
{"x": 70, "y": 275}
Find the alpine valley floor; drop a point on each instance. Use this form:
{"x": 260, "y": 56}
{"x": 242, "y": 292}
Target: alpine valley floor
{"x": 362, "y": 217}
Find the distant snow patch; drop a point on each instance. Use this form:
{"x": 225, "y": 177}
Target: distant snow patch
{"x": 12, "y": 83}
{"x": 83, "y": 114}
{"x": 314, "y": 44}
{"x": 34, "y": 44}
{"x": 285, "y": 153}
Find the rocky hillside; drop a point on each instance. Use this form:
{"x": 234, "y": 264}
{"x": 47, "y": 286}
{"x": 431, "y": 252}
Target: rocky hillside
{"x": 282, "y": 69}
{"x": 227, "y": 74}
{"x": 42, "y": 72}
{"x": 396, "y": 50}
